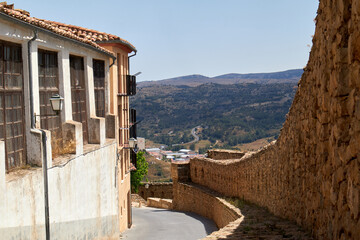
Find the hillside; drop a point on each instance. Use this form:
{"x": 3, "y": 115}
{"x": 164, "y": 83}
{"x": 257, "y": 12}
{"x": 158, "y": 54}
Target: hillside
{"x": 289, "y": 76}
{"x": 229, "y": 114}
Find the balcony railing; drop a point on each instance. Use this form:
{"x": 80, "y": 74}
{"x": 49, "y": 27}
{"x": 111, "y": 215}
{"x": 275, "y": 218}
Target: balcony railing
{"x": 130, "y": 85}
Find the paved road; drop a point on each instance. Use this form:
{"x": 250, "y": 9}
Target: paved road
{"x": 160, "y": 224}
{"x": 196, "y": 137}
{"x": 193, "y": 133}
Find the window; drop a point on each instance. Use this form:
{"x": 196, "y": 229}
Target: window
{"x": 12, "y": 104}
{"x": 99, "y": 87}
{"x": 78, "y": 93}
{"x": 48, "y": 86}
{"x": 132, "y": 130}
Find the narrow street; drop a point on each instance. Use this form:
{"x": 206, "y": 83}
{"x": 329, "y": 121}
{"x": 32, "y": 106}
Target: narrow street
{"x": 161, "y": 224}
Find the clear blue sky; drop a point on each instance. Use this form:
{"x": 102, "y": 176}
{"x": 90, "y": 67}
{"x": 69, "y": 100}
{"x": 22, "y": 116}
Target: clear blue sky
{"x": 208, "y": 37}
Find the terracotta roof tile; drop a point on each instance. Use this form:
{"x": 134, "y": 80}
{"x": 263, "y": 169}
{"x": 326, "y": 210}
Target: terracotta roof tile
{"x": 84, "y": 35}
{"x": 90, "y": 34}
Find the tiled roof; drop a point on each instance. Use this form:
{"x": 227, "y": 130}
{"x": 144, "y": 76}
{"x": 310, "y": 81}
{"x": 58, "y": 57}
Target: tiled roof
{"x": 90, "y": 34}
{"x": 83, "y": 35}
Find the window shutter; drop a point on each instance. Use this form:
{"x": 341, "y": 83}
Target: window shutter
{"x": 130, "y": 85}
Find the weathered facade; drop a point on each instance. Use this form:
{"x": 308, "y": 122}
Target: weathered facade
{"x": 84, "y": 147}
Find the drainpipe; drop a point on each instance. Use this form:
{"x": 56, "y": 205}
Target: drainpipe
{"x": 129, "y": 204}
{"x": 114, "y": 61}
{"x": 46, "y": 187}
{"x": 129, "y": 61}
{"x": 31, "y": 80}
{"x": 43, "y": 137}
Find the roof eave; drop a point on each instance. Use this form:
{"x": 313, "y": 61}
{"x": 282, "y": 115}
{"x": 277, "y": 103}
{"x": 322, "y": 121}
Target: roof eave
{"x": 34, "y": 27}
{"x": 128, "y": 45}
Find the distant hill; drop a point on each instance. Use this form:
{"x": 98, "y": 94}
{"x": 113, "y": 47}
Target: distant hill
{"x": 289, "y": 76}
{"x": 228, "y": 113}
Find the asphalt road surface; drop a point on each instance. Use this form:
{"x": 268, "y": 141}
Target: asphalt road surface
{"x": 196, "y": 137}
{"x": 161, "y": 224}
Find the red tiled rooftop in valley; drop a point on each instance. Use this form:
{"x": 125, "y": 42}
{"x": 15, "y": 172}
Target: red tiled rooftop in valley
{"x": 84, "y": 35}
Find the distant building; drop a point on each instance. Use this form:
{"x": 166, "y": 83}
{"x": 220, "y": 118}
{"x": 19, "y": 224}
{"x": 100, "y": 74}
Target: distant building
{"x": 141, "y": 143}
{"x": 148, "y": 150}
{"x": 184, "y": 150}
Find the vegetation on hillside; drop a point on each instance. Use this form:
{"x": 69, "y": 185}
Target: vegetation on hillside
{"x": 228, "y": 114}
{"x": 159, "y": 170}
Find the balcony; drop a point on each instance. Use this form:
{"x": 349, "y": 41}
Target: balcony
{"x": 130, "y": 85}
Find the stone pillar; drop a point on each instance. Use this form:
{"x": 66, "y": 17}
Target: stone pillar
{"x": 65, "y": 84}
{"x": 73, "y": 137}
{"x": 89, "y": 85}
{"x": 34, "y": 152}
{"x": 110, "y": 125}
{"x": 97, "y": 130}
{"x": 180, "y": 172}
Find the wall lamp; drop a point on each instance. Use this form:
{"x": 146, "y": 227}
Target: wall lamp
{"x": 132, "y": 143}
{"x": 56, "y": 102}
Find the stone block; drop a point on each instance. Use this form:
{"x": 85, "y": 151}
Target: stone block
{"x": 110, "y": 125}
{"x": 353, "y": 196}
{"x": 97, "y": 130}
{"x": 72, "y": 137}
{"x": 222, "y": 154}
{"x": 357, "y": 109}
{"x": 34, "y": 153}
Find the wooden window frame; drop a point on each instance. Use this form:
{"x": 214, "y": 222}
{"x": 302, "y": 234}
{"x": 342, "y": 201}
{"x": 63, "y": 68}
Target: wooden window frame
{"x": 48, "y": 86}
{"x": 12, "y": 123}
{"x": 78, "y": 91}
{"x": 99, "y": 87}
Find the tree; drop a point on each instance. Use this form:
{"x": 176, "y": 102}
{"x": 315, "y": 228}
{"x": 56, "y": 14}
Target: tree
{"x": 140, "y": 172}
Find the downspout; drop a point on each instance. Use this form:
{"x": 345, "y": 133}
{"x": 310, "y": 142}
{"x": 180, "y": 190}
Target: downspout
{"x": 43, "y": 137}
{"x": 114, "y": 61}
{"x": 130, "y": 222}
{"x": 129, "y": 61}
{"x": 31, "y": 80}
{"x": 46, "y": 187}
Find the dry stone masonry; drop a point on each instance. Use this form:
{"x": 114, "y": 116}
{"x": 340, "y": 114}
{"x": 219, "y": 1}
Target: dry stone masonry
{"x": 157, "y": 190}
{"x": 311, "y": 175}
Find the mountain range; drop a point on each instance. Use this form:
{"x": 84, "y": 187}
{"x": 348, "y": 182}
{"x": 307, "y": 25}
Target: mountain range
{"x": 289, "y": 76}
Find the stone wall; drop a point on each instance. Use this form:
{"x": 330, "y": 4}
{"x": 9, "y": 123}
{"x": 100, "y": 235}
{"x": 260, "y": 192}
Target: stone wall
{"x": 192, "y": 198}
{"x": 311, "y": 174}
{"x": 222, "y": 154}
{"x": 157, "y": 190}
{"x": 159, "y": 203}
